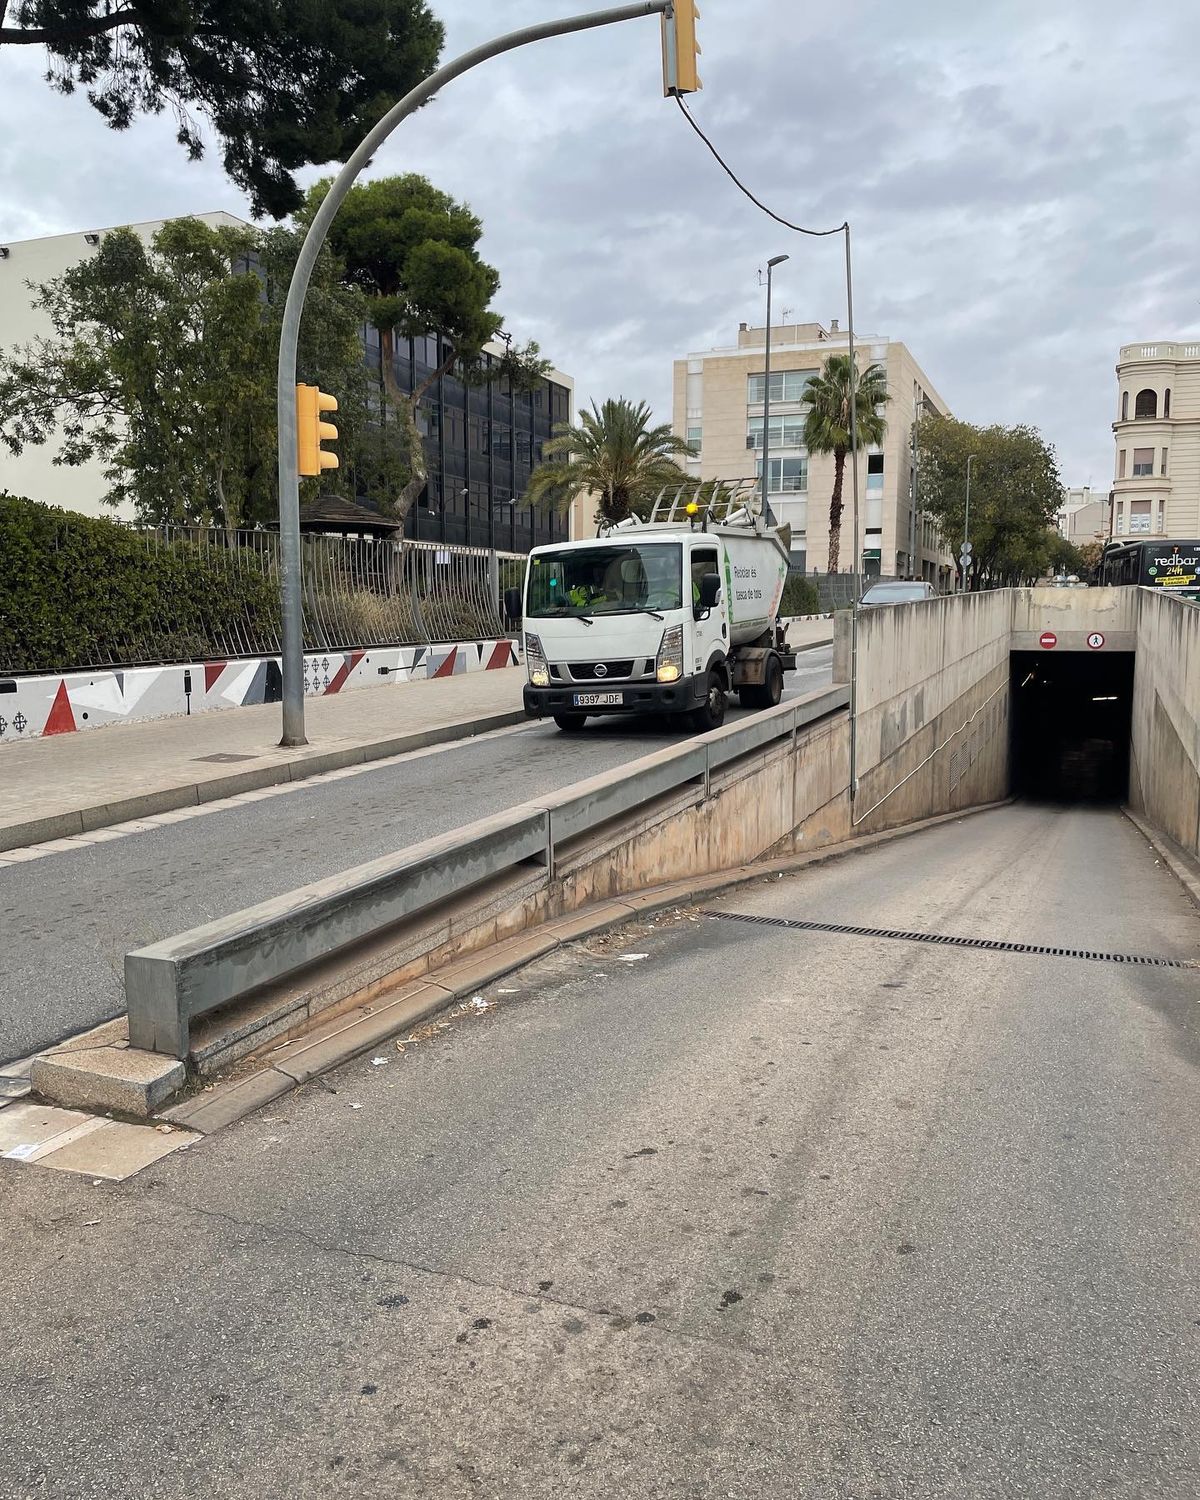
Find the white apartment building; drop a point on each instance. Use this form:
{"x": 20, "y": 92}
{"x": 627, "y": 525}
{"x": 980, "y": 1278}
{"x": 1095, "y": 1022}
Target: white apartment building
{"x": 33, "y": 473}
{"x": 1083, "y": 515}
{"x": 718, "y": 407}
{"x": 1156, "y": 491}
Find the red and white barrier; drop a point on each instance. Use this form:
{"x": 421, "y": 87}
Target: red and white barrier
{"x": 65, "y": 702}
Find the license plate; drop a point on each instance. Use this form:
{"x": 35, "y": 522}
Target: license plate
{"x": 599, "y": 700}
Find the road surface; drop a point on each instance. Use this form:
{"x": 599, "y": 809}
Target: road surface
{"x": 764, "y": 1213}
{"x": 71, "y": 916}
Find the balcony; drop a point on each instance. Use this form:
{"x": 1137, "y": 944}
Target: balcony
{"x": 1133, "y": 352}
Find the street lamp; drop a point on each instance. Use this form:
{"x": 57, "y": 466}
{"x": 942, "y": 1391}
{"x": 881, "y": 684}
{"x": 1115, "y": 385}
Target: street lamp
{"x": 766, "y": 450}
{"x": 971, "y": 457}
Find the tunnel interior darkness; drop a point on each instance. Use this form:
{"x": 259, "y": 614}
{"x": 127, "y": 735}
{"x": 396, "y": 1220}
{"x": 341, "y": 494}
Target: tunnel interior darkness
{"x": 1071, "y": 719}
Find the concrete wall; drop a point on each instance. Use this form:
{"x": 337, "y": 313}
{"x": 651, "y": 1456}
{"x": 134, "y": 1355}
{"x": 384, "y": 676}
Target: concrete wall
{"x": 1071, "y": 615}
{"x": 1164, "y": 773}
{"x": 932, "y": 730}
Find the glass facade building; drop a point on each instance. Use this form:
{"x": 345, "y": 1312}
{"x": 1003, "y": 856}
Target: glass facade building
{"x": 481, "y": 442}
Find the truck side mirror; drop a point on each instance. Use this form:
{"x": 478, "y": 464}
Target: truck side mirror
{"x": 512, "y": 604}
{"x": 710, "y": 593}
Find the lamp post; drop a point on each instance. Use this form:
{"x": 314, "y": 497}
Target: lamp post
{"x": 766, "y": 447}
{"x": 971, "y": 457}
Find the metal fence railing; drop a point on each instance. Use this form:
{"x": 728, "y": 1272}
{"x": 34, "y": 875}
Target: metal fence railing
{"x": 208, "y": 592}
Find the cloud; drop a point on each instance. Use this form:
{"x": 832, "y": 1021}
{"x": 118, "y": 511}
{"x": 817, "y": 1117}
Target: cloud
{"x": 1019, "y": 177}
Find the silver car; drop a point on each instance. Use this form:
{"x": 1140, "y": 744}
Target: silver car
{"x": 897, "y": 591}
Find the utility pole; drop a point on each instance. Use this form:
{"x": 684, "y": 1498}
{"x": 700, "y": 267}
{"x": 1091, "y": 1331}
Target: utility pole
{"x": 683, "y": 79}
{"x": 766, "y": 458}
{"x": 964, "y": 557}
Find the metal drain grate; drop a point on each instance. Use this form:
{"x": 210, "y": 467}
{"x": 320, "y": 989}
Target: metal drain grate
{"x": 992, "y": 945}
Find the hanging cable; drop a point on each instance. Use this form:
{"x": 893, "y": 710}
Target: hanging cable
{"x": 799, "y": 228}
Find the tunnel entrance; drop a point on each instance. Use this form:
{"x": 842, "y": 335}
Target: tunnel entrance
{"x": 1071, "y": 720}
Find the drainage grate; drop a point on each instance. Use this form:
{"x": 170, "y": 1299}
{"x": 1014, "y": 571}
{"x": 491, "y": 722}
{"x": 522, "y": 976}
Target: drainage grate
{"x": 992, "y": 945}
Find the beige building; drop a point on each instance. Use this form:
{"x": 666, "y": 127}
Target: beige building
{"x": 718, "y": 406}
{"x": 34, "y": 473}
{"x": 1083, "y": 515}
{"x": 1156, "y": 491}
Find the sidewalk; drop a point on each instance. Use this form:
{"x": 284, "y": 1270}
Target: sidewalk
{"x": 73, "y": 783}
{"x": 53, "y": 788}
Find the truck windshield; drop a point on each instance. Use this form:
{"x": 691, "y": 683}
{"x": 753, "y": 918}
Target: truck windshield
{"x": 606, "y": 580}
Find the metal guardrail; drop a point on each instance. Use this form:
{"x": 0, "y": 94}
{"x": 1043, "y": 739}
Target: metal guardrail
{"x": 172, "y": 982}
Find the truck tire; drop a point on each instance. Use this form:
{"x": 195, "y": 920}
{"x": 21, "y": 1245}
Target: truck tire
{"x": 765, "y": 694}
{"x": 570, "y": 723}
{"x": 711, "y": 714}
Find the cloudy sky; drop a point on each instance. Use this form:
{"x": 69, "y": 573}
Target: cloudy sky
{"x": 1021, "y": 177}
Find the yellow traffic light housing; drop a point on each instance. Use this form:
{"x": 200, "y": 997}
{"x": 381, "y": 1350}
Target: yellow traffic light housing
{"x": 311, "y": 431}
{"x": 681, "y": 50}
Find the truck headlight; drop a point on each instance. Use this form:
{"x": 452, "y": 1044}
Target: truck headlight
{"x": 535, "y": 662}
{"x": 669, "y": 665}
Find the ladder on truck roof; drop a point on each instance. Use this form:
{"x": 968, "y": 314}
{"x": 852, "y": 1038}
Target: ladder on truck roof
{"x": 720, "y": 500}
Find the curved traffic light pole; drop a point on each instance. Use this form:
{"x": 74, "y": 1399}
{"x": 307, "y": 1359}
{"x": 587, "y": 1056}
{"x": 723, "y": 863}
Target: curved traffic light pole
{"x": 289, "y": 484}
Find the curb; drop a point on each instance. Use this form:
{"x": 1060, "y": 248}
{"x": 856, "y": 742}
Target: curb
{"x": 299, "y": 768}
{"x": 1177, "y": 860}
{"x": 355, "y": 1032}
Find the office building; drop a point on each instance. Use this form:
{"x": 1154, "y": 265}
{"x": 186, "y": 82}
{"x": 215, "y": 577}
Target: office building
{"x": 481, "y": 442}
{"x": 718, "y": 407}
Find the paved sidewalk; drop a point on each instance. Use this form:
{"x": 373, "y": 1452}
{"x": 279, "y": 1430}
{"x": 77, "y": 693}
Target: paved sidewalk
{"x": 56, "y": 787}
{"x": 69, "y": 784}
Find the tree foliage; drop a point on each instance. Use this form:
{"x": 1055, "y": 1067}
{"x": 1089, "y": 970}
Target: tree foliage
{"x": 827, "y": 428}
{"x": 162, "y": 365}
{"x": 614, "y": 454}
{"x": 1015, "y": 495}
{"x": 283, "y": 83}
{"x": 412, "y": 251}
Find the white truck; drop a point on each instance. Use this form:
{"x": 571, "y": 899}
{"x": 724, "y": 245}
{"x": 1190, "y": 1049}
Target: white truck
{"x": 667, "y": 616}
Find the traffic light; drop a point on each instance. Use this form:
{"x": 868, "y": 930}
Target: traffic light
{"x": 311, "y": 431}
{"x": 681, "y": 50}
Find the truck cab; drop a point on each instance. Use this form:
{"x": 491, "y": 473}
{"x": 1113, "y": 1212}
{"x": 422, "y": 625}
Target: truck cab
{"x": 654, "y": 618}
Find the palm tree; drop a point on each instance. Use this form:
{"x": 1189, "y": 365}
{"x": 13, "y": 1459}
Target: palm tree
{"x": 615, "y": 454}
{"x": 827, "y": 427}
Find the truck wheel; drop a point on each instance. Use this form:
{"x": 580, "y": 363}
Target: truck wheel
{"x": 712, "y": 714}
{"x": 570, "y": 723}
{"x": 765, "y": 694}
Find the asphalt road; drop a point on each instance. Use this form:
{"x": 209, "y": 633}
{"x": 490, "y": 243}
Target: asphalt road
{"x": 71, "y": 916}
{"x": 764, "y": 1214}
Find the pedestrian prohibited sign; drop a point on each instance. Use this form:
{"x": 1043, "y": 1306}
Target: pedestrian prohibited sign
{"x": 1047, "y": 640}
{"x": 1095, "y": 640}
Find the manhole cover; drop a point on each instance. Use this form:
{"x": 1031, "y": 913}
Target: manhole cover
{"x": 223, "y": 759}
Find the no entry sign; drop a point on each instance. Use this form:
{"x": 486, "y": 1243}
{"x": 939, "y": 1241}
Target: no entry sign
{"x": 1095, "y": 640}
{"x": 1047, "y": 640}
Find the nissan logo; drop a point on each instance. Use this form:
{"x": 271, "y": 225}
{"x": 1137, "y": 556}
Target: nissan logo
{"x": 601, "y": 669}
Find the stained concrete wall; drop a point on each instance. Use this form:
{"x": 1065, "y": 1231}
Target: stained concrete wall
{"x": 1164, "y": 774}
{"x": 932, "y": 707}
{"x": 1071, "y": 615}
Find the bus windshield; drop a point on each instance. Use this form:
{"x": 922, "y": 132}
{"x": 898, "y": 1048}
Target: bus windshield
{"x": 612, "y": 579}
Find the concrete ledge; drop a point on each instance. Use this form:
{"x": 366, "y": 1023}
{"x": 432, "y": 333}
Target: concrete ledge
{"x": 1177, "y": 860}
{"x": 213, "y": 789}
{"x": 117, "y": 1078}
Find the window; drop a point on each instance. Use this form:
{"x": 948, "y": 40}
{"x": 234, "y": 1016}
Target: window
{"x": 1124, "y": 406}
{"x": 789, "y": 476}
{"x": 786, "y": 385}
{"x": 694, "y": 437}
{"x": 1146, "y": 404}
{"x": 1121, "y": 464}
{"x": 1143, "y": 462}
{"x": 786, "y": 432}
{"x": 1163, "y": 470}
{"x": 875, "y": 474}
{"x": 1120, "y": 521}
{"x": 1167, "y": 402}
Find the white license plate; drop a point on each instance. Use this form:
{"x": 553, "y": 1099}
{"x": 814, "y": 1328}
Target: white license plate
{"x": 599, "y": 700}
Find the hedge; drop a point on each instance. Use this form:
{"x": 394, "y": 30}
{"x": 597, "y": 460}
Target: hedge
{"x": 77, "y": 591}
{"x": 800, "y": 597}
